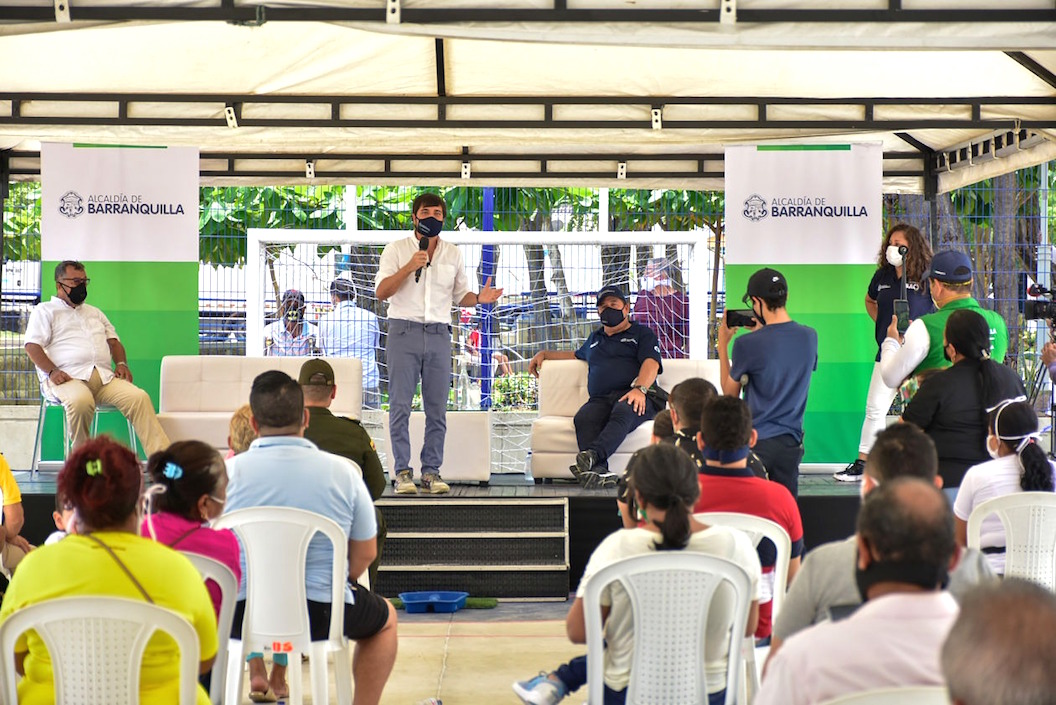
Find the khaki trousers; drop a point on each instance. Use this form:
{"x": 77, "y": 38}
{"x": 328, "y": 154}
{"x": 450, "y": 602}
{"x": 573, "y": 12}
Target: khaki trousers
{"x": 10, "y": 557}
{"x": 79, "y": 398}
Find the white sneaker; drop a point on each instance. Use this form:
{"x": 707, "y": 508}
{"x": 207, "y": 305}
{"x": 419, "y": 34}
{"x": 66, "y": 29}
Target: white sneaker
{"x": 540, "y": 690}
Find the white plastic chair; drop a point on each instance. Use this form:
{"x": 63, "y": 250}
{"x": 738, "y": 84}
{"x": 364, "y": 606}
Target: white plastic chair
{"x": 220, "y": 574}
{"x": 38, "y": 445}
{"x": 275, "y": 543}
{"x": 96, "y": 645}
{"x": 912, "y": 695}
{"x": 671, "y": 595}
{"x": 757, "y": 529}
{"x": 1029, "y": 519}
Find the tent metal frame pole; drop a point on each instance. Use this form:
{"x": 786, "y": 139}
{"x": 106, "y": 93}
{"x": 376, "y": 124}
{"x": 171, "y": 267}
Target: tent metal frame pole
{"x": 559, "y": 13}
{"x": 5, "y": 186}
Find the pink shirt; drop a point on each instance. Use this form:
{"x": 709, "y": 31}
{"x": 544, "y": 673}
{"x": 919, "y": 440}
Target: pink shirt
{"x": 189, "y": 536}
{"x": 889, "y": 642}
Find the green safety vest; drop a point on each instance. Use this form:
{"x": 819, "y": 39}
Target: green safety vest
{"x": 935, "y": 322}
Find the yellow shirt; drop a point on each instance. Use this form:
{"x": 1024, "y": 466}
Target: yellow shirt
{"x": 8, "y": 487}
{"x": 79, "y": 566}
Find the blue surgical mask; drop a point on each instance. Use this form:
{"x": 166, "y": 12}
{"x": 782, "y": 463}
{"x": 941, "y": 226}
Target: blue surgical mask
{"x": 430, "y": 227}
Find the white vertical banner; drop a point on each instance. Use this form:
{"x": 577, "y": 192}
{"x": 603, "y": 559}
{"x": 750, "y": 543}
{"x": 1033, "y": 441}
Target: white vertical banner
{"x": 124, "y": 204}
{"x": 803, "y": 204}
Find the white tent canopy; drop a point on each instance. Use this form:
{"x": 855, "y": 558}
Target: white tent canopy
{"x": 526, "y": 92}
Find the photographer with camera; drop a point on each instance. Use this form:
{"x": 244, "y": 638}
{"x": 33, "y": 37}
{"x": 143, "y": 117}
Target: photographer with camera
{"x": 903, "y": 259}
{"x": 773, "y": 362}
{"x": 950, "y": 285}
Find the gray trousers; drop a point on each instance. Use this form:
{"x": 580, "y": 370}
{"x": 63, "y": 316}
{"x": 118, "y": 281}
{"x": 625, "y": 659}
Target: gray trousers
{"x": 418, "y": 351}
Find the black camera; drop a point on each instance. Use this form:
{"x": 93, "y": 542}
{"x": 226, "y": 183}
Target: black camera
{"x": 1036, "y": 309}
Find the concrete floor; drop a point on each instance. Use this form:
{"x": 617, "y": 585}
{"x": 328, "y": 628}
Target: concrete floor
{"x": 471, "y": 657}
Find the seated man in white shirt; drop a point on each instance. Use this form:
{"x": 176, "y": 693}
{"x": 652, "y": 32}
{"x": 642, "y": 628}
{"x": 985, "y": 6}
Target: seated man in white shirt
{"x": 73, "y": 346}
{"x": 906, "y": 548}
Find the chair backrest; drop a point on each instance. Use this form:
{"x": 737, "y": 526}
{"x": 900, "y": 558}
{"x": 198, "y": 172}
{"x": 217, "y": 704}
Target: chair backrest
{"x": 1029, "y": 519}
{"x": 96, "y": 645}
{"x": 275, "y": 543}
{"x": 757, "y": 529}
{"x": 220, "y": 574}
{"x": 917, "y": 695}
{"x": 671, "y": 595}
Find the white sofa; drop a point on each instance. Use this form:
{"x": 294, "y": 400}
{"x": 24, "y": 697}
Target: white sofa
{"x": 200, "y": 392}
{"x": 563, "y": 390}
{"x": 467, "y": 446}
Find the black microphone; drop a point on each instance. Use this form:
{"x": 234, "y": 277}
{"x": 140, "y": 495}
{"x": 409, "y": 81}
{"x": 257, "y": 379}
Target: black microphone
{"x": 423, "y": 245}
{"x": 902, "y": 250}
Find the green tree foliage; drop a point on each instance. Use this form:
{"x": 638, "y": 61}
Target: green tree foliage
{"x": 22, "y": 222}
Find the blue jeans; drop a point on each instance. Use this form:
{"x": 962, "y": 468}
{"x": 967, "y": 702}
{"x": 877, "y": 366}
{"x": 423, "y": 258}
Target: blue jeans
{"x": 418, "y": 351}
{"x": 574, "y": 675}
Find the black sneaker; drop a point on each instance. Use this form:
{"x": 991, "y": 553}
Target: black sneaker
{"x": 851, "y": 473}
{"x": 586, "y": 460}
{"x": 592, "y": 480}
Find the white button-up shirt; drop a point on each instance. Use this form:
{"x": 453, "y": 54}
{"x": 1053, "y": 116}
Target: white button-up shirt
{"x": 74, "y": 337}
{"x": 889, "y": 642}
{"x": 350, "y": 331}
{"x": 443, "y": 284}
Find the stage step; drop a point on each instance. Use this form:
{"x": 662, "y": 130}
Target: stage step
{"x": 509, "y": 548}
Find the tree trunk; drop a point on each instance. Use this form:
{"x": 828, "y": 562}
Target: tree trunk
{"x": 1006, "y": 261}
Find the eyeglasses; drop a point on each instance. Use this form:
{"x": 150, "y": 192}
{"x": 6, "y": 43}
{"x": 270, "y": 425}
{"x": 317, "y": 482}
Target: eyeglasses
{"x": 77, "y": 281}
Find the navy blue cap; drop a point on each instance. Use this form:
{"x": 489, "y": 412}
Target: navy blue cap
{"x": 611, "y": 291}
{"x": 950, "y": 266}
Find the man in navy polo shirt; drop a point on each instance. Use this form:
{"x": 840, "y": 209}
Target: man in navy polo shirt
{"x": 773, "y": 363}
{"x": 623, "y": 361}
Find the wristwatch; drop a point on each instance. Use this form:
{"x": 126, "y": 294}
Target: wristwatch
{"x": 643, "y": 390}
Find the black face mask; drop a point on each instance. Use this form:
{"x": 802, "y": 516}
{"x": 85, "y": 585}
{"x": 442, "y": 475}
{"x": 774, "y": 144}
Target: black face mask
{"x": 294, "y": 315}
{"x": 946, "y": 353}
{"x": 759, "y": 314}
{"x": 611, "y": 317}
{"x": 924, "y": 575}
{"x": 77, "y": 294}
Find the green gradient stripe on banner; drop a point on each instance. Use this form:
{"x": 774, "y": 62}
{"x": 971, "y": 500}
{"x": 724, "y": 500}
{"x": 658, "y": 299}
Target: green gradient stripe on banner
{"x": 154, "y": 308}
{"x": 830, "y": 298}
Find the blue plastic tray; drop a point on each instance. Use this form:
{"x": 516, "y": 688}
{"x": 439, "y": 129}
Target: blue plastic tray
{"x": 435, "y": 601}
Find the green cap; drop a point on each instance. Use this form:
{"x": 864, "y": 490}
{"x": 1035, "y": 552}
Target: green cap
{"x": 316, "y": 372}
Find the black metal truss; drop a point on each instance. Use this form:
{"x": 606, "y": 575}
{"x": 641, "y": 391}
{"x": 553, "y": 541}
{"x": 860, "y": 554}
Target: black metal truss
{"x": 256, "y": 14}
{"x": 334, "y": 167}
{"x": 123, "y": 111}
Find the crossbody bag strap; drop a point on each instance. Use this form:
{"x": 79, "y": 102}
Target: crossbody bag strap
{"x": 184, "y": 535}
{"x": 139, "y": 586}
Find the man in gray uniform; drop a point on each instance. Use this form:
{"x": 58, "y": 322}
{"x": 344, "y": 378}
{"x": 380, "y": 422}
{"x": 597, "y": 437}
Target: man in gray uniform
{"x": 422, "y": 278}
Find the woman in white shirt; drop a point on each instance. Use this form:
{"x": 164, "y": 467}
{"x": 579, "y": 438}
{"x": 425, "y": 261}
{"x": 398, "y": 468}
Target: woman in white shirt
{"x": 664, "y": 482}
{"x": 1019, "y": 465}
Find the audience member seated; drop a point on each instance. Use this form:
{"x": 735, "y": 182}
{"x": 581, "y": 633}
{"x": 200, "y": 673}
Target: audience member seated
{"x": 663, "y": 481}
{"x": 342, "y": 436}
{"x": 63, "y": 518}
{"x": 951, "y": 405}
{"x": 284, "y": 469}
{"x": 240, "y": 431}
{"x": 905, "y": 550}
{"x": 826, "y": 581}
{"x": 663, "y": 427}
{"x": 13, "y": 548}
{"x": 103, "y": 482}
{"x": 623, "y": 362}
{"x": 188, "y": 490}
{"x": 1000, "y": 648}
{"x": 1019, "y": 465}
{"x": 686, "y": 401}
{"x": 727, "y": 484}
{"x": 72, "y": 344}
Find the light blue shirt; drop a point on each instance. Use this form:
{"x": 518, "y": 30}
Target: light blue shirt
{"x": 278, "y": 341}
{"x": 350, "y": 331}
{"x": 289, "y": 471}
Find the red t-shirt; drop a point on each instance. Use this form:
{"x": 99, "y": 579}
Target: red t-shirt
{"x": 739, "y": 490}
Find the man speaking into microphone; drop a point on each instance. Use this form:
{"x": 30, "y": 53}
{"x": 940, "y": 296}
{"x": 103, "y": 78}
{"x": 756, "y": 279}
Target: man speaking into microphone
{"x": 422, "y": 277}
